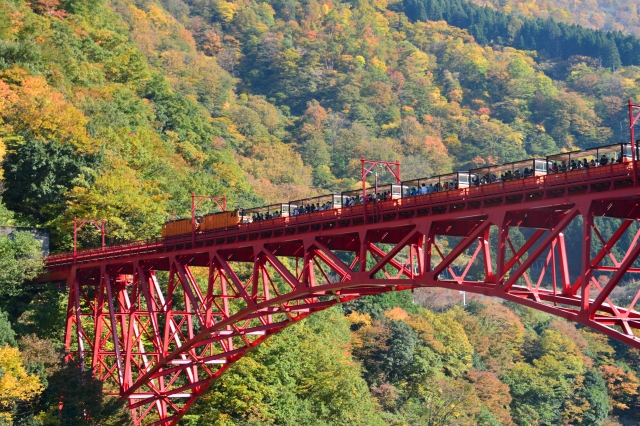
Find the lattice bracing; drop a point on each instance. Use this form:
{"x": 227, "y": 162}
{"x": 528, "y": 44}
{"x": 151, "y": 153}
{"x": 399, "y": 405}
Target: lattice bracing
{"x": 159, "y": 321}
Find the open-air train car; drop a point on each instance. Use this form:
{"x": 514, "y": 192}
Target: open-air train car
{"x": 510, "y": 171}
{"x": 315, "y": 204}
{"x": 435, "y": 184}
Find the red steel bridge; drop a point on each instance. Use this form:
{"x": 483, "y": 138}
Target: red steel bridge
{"x": 160, "y": 320}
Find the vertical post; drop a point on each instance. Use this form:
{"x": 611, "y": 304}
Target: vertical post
{"x": 75, "y": 239}
{"x": 364, "y": 191}
{"x": 398, "y": 172}
{"x": 103, "y": 232}
{"x": 633, "y": 143}
{"x": 193, "y": 218}
{"x": 376, "y": 189}
{"x": 587, "y": 221}
{"x": 224, "y": 203}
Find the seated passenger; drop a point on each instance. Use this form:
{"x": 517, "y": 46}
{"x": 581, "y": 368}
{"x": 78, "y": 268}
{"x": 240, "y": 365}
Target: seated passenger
{"x": 585, "y": 164}
{"x": 423, "y": 189}
{"x": 592, "y": 163}
{"x": 328, "y": 206}
{"x": 573, "y": 165}
{"x": 408, "y": 192}
{"x": 604, "y": 160}
{"x": 563, "y": 166}
{"x": 432, "y": 189}
{"x": 475, "y": 180}
{"x": 413, "y": 192}
{"x": 493, "y": 178}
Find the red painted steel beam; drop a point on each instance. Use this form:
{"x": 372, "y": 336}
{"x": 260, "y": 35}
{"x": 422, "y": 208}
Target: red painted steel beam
{"x": 161, "y": 358}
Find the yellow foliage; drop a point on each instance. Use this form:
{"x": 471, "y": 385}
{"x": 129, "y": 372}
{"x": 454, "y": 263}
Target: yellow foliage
{"x": 397, "y": 314}
{"x": 33, "y": 107}
{"x": 378, "y": 64}
{"x": 227, "y": 10}
{"x": 359, "y": 319}
{"x": 15, "y": 384}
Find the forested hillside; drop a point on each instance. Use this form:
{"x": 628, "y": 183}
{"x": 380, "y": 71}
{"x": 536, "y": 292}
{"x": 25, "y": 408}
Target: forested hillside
{"x": 616, "y": 15}
{"x": 120, "y": 109}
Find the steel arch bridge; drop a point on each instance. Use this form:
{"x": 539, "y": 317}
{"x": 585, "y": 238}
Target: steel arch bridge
{"x": 159, "y": 321}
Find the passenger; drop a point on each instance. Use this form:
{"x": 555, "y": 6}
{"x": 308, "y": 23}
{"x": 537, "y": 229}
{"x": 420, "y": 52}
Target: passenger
{"x": 619, "y": 160}
{"x": 555, "y": 168}
{"x": 603, "y": 160}
{"x": 493, "y": 178}
{"x": 329, "y": 205}
{"x": 432, "y": 189}
{"x": 423, "y": 189}
{"x": 585, "y": 163}
{"x": 455, "y": 184}
{"x": 592, "y": 163}
{"x": 563, "y": 166}
{"x": 408, "y": 193}
{"x": 413, "y": 192}
{"x": 475, "y": 180}
{"x": 436, "y": 188}
{"x": 573, "y": 165}
{"x": 517, "y": 175}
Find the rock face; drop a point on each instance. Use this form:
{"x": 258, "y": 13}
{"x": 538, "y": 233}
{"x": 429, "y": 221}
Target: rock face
{"x": 39, "y": 234}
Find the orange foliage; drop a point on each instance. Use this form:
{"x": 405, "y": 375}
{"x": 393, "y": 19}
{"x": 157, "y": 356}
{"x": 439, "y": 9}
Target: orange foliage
{"x": 493, "y": 393}
{"x": 623, "y": 387}
{"x": 33, "y": 108}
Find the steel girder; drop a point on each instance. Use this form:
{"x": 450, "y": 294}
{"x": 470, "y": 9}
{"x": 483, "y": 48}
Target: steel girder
{"x": 160, "y": 327}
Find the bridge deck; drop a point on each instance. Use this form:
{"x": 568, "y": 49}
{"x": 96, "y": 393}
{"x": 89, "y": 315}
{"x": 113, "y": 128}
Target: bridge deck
{"x": 464, "y": 202}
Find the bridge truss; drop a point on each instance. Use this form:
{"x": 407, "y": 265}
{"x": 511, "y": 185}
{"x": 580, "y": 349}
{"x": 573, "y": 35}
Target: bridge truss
{"x": 159, "y": 321}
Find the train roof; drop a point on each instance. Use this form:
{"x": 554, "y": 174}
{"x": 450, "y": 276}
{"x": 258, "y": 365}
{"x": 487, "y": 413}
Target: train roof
{"x": 370, "y": 190}
{"x": 270, "y": 208}
{"x": 589, "y": 152}
{"x": 435, "y": 179}
{"x": 497, "y": 168}
{"x": 318, "y": 199}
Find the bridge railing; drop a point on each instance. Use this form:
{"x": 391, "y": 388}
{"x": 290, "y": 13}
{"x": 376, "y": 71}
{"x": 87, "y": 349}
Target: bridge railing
{"x": 559, "y": 181}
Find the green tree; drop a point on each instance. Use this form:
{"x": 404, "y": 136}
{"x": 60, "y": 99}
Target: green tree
{"x": 20, "y": 261}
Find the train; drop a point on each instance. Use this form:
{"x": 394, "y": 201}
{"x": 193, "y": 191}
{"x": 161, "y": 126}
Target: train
{"x": 486, "y": 175}
{"x": 208, "y": 222}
